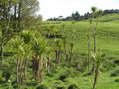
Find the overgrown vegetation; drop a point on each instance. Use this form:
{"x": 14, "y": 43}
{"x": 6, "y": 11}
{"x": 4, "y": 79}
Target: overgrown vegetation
{"x": 36, "y": 54}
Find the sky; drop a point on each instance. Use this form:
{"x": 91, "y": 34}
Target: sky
{"x": 55, "y": 8}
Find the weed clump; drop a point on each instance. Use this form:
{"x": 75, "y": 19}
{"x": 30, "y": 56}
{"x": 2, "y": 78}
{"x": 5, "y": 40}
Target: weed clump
{"x": 117, "y": 80}
{"x": 116, "y": 62}
{"x": 6, "y": 75}
{"x": 73, "y": 86}
{"x": 42, "y": 87}
{"x": 60, "y": 87}
{"x": 62, "y": 78}
{"x": 115, "y": 73}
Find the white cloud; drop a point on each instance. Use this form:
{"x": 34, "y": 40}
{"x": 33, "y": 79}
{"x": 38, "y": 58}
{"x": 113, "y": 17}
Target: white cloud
{"x": 54, "y": 8}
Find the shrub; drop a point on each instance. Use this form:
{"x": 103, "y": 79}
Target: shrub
{"x": 62, "y": 78}
{"x": 117, "y": 80}
{"x": 73, "y": 86}
{"x": 6, "y": 75}
{"x": 60, "y": 87}
{"x": 42, "y": 87}
{"x": 115, "y": 73}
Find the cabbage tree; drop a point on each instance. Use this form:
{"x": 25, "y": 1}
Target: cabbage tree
{"x": 21, "y": 46}
{"x": 38, "y": 49}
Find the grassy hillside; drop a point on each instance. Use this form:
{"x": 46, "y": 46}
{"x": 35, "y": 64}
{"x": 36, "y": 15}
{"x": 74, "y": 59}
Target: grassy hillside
{"x": 107, "y": 34}
{"x": 75, "y": 74}
{"x": 110, "y": 18}
{"x": 107, "y": 40}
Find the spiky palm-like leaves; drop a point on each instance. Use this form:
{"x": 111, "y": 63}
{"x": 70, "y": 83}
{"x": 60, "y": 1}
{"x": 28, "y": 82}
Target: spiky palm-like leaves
{"x": 38, "y": 49}
{"x": 23, "y": 53}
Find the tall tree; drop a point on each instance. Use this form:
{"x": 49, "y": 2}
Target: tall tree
{"x": 13, "y": 16}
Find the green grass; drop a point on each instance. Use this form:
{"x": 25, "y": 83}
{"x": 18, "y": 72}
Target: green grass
{"x": 110, "y": 18}
{"x": 107, "y": 36}
{"x": 107, "y": 40}
{"x": 104, "y": 80}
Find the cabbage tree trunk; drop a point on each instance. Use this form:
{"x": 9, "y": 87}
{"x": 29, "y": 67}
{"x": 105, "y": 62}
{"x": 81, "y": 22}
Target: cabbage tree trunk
{"x": 37, "y": 68}
{"x": 21, "y": 70}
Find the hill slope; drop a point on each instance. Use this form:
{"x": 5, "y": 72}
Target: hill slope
{"x": 109, "y": 18}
